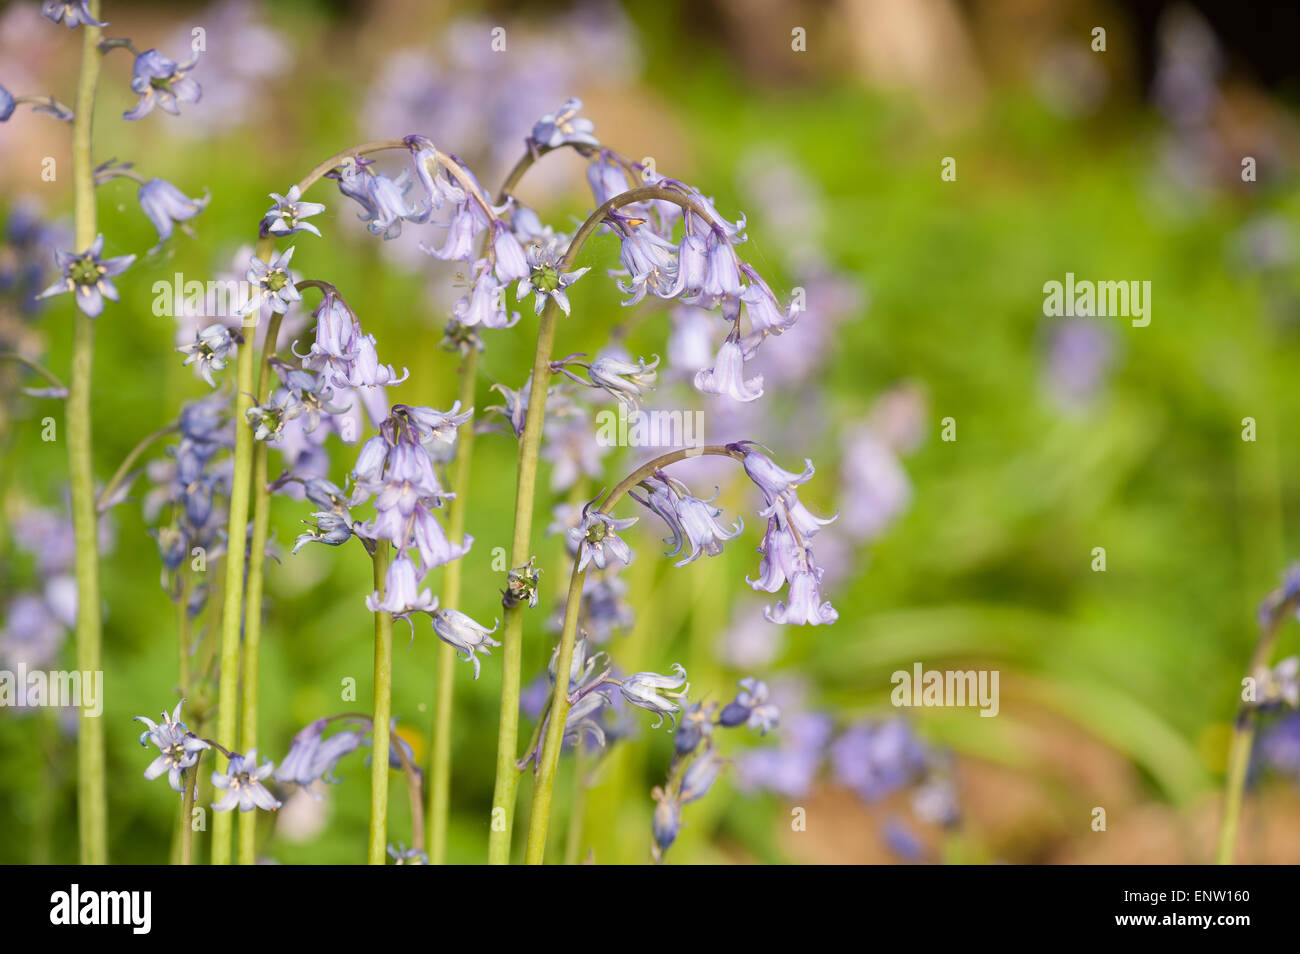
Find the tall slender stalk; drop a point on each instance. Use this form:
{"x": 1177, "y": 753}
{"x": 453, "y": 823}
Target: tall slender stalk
{"x": 530, "y": 442}
{"x": 539, "y": 821}
{"x": 92, "y": 809}
{"x": 253, "y": 612}
{"x": 383, "y": 708}
{"x": 440, "y": 773}
{"x": 232, "y": 615}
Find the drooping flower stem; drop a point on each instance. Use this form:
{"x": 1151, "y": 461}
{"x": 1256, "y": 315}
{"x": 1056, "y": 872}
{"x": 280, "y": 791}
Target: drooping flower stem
{"x": 383, "y": 707}
{"x": 530, "y": 442}
{"x": 92, "y": 809}
{"x": 110, "y": 488}
{"x": 445, "y": 686}
{"x": 237, "y": 533}
{"x": 253, "y": 602}
{"x": 543, "y": 788}
{"x": 1243, "y": 739}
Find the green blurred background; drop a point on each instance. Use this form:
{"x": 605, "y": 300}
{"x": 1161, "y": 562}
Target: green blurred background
{"x": 1117, "y": 687}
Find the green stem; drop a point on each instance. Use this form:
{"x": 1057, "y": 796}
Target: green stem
{"x": 382, "y": 716}
{"x": 253, "y": 602}
{"x": 546, "y": 765}
{"x": 237, "y": 535}
{"x": 36, "y": 366}
{"x": 440, "y": 770}
{"x": 119, "y": 475}
{"x": 577, "y": 811}
{"x": 92, "y": 809}
{"x": 187, "y": 813}
{"x": 1243, "y": 738}
{"x": 530, "y": 442}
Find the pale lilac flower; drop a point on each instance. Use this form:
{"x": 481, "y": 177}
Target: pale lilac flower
{"x": 242, "y": 783}
{"x": 790, "y": 769}
{"x": 402, "y": 595}
{"x": 440, "y": 185}
{"x": 164, "y": 204}
{"x": 751, "y": 707}
{"x": 596, "y": 535}
{"x": 71, "y": 13}
{"x": 161, "y": 82}
{"x": 667, "y": 820}
{"x": 330, "y": 529}
{"x": 625, "y": 380}
{"x": 1279, "y": 684}
{"x": 312, "y": 758}
{"x": 87, "y": 276}
{"x": 485, "y": 304}
{"x": 544, "y": 278}
{"x": 564, "y": 126}
{"x": 7, "y": 104}
{"x": 460, "y": 631}
{"x": 178, "y": 747}
{"x": 211, "y": 349}
{"x": 656, "y": 692}
{"x": 272, "y": 284}
{"x": 727, "y": 376}
{"x": 402, "y": 855}
{"x": 287, "y": 216}
{"x": 877, "y": 759}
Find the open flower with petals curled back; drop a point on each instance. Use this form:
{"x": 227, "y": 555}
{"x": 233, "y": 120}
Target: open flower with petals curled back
{"x": 271, "y": 283}
{"x": 313, "y": 758}
{"x": 597, "y": 539}
{"x": 485, "y": 303}
{"x": 72, "y": 13}
{"x": 563, "y": 126}
{"x": 656, "y": 692}
{"x": 161, "y": 82}
{"x": 440, "y": 185}
{"x": 211, "y": 349}
{"x": 751, "y": 707}
{"x": 331, "y": 529}
{"x": 242, "y": 783}
{"x": 463, "y": 633}
{"x": 87, "y": 276}
{"x": 690, "y": 519}
{"x": 727, "y": 376}
{"x": 163, "y": 204}
{"x": 287, "y": 216}
{"x": 179, "y": 748}
{"x": 545, "y": 279}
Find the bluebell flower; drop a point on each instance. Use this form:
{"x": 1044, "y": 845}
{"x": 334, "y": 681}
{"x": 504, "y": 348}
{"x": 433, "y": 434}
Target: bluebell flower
{"x": 877, "y": 759}
{"x": 440, "y": 185}
{"x": 87, "y": 276}
{"x": 656, "y": 692}
{"x": 625, "y": 380}
{"x": 330, "y": 529}
{"x": 272, "y": 284}
{"x": 178, "y": 747}
{"x": 402, "y": 595}
{"x": 597, "y": 538}
{"x": 162, "y": 82}
{"x": 211, "y": 349}
{"x": 695, "y": 727}
{"x": 485, "y": 303}
{"x": 463, "y": 633}
{"x": 751, "y": 707}
{"x": 242, "y": 783}
{"x": 287, "y": 216}
{"x": 690, "y": 520}
{"x": 312, "y": 758}
{"x": 727, "y": 376}
{"x": 544, "y": 278}
{"x": 7, "y": 104}
{"x": 72, "y": 13}
{"x": 164, "y": 204}
{"x": 564, "y": 126}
